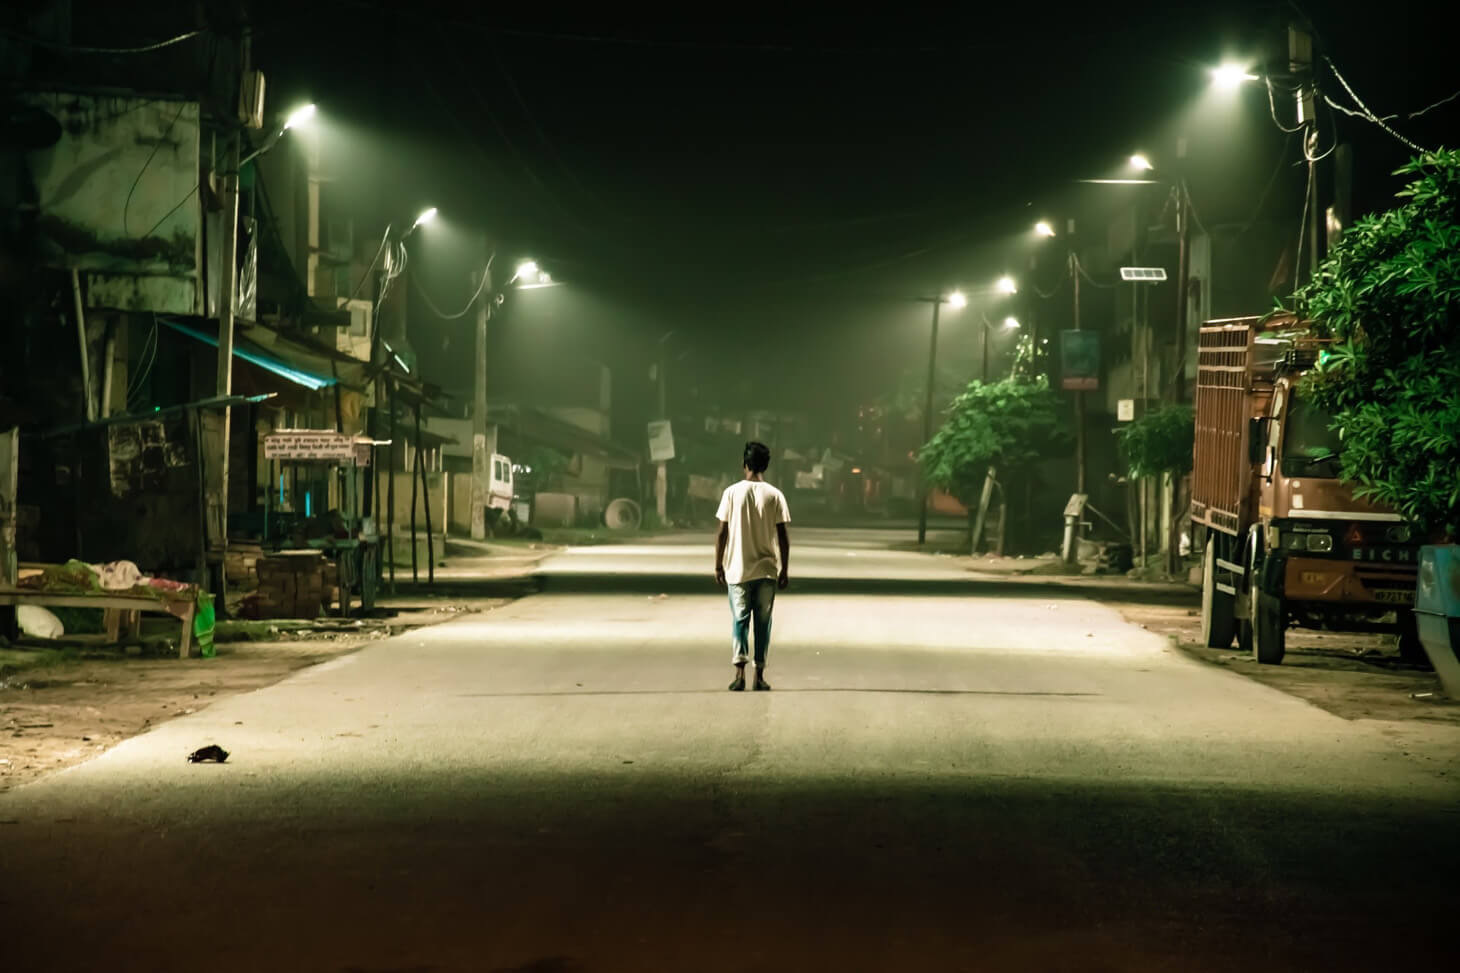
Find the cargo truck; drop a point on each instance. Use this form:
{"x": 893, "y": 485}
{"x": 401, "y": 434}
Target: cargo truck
{"x": 1284, "y": 542}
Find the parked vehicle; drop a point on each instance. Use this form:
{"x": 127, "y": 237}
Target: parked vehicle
{"x": 1285, "y": 542}
{"x": 499, "y": 493}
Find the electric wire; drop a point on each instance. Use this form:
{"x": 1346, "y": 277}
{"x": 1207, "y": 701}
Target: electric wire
{"x": 1430, "y": 108}
{"x": 139, "y": 380}
{"x": 166, "y": 216}
{"x": 1272, "y": 109}
{"x": 373, "y": 261}
{"x": 1368, "y": 112}
{"x": 1085, "y": 274}
{"x": 481, "y": 286}
{"x": 84, "y": 49}
{"x": 127, "y": 204}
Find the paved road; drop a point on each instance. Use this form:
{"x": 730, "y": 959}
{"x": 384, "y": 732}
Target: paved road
{"x": 948, "y": 775}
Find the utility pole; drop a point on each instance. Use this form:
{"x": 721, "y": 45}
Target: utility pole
{"x": 1300, "y": 64}
{"x": 937, "y": 302}
{"x": 1183, "y": 288}
{"x": 661, "y": 473}
{"x": 215, "y": 467}
{"x": 481, "y": 458}
{"x": 1079, "y": 393}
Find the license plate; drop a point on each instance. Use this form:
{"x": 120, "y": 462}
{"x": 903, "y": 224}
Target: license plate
{"x": 1395, "y": 596}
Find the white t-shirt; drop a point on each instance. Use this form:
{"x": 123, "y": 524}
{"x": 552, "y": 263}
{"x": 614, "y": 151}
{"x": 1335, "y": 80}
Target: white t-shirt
{"x": 752, "y": 509}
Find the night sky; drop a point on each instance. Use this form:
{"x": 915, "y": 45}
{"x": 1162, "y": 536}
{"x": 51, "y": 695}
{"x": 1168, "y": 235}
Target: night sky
{"x": 776, "y": 187}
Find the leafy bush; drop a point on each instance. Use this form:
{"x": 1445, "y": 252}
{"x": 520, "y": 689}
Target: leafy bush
{"x": 1388, "y": 295}
{"x": 1008, "y": 424}
{"x": 1161, "y": 441}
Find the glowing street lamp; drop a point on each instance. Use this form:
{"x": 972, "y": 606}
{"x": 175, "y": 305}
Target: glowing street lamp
{"x": 1230, "y": 76}
{"x": 957, "y": 300}
{"x": 299, "y": 116}
{"x": 1011, "y": 322}
{"x": 426, "y": 216}
{"x": 1140, "y": 162}
{"x": 1043, "y": 229}
{"x": 1006, "y": 285}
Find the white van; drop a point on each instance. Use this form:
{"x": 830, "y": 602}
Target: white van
{"x": 499, "y": 493}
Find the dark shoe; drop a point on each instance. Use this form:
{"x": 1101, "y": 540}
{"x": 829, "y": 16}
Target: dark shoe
{"x": 738, "y": 685}
{"x": 760, "y": 684}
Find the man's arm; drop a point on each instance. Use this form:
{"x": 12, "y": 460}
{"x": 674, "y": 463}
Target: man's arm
{"x": 722, "y": 537}
{"x": 783, "y": 537}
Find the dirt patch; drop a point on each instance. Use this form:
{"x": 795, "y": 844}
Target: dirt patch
{"x": 60, "y": 706}
{"x": 1353, "y": 676}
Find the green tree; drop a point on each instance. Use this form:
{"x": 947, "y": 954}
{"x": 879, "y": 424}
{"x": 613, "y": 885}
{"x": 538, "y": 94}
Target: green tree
{"x": 1388, "y": 294}
{"x": 1161, "y": 441}
{"x": 1008, "y": 425}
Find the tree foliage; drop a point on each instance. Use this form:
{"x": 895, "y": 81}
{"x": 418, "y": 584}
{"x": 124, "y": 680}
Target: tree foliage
{"x": 1161, "y": 441}
{"x": 1388, "y": 295}
{"x": 1008, "y": 424}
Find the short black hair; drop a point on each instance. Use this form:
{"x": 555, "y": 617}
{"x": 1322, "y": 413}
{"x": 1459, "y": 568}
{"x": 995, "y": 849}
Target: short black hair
{"x": 757, "y": 457}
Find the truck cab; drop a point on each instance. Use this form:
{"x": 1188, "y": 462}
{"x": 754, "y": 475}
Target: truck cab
{"x": 1285, "y": 542}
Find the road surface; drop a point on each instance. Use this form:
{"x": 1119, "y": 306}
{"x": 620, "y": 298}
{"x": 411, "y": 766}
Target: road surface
{"x": 948, "y": 775}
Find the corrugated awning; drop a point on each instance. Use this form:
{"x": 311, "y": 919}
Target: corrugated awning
{"x": 246, "y": 351}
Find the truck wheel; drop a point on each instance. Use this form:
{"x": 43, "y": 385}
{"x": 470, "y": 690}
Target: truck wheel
{"x": 1218, "y": 618}
{"x": 1269, "y": 628}
{"x": 1411, "y": 650}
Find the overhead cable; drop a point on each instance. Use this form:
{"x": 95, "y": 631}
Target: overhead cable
{"x": 481, "y": 286}
{"x": 84, "y": 49}
{"x": 1368, "y": 112}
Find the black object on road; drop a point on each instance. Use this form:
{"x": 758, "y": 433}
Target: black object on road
{"x": 211, "y": 752}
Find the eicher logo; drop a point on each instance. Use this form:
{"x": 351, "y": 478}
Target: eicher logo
{"x": 1393, "y": 555}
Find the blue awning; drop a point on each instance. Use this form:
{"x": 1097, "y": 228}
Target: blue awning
{"x": 260, "y": 358}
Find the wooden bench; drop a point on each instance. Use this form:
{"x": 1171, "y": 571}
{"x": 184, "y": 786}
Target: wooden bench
{"x": 122, "y": 612}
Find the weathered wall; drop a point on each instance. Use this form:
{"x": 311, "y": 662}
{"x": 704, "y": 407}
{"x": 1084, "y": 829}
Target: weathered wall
{"x": 117, "y": 195}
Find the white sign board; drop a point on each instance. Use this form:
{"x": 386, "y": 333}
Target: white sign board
{"x": 661, "y": 441}
{"x": 304, "y": 444}
{"x": 1125, "y": 410}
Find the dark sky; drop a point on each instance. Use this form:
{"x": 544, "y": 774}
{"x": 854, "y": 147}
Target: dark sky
{"x": 776, "y": 185}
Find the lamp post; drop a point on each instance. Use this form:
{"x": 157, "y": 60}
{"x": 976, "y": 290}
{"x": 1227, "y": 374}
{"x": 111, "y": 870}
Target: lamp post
{"x": 1009, "y": 323}
{"x": 216, "y": 469}
{"x": 954, "y": 300}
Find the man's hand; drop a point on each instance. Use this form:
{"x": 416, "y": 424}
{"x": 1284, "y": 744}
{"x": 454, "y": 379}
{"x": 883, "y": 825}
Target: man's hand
{"x": 720, "y": 575}
{"x": 784, "y": 581}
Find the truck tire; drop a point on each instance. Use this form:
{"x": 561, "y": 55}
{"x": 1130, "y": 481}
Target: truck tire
{"x": 1269, "y": 628}
{"x": 1218, "y": 614}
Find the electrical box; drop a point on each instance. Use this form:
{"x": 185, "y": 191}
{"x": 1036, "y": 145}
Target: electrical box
{"x": 251, "y": 100}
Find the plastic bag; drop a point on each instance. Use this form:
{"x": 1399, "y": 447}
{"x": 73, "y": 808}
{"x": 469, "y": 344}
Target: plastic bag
{"x": 204, "y": 623}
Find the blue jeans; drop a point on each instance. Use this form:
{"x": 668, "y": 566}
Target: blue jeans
{"x": 751, "y": 600}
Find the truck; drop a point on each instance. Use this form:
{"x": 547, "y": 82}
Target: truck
{"x": 1284, "y": 542}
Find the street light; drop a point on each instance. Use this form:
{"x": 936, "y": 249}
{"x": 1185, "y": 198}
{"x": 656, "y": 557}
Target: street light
{"x": 1229, "y": 76}
{"x": 1140, "y": 162}
{"x": 1006, "y": 285}
{"x": 1010, "y": 323}
{"x": 299, "y": 116}
{"x": 955, "y": 300}
{"x": 1043, "y": 229}
{"x": 426, "y": 217}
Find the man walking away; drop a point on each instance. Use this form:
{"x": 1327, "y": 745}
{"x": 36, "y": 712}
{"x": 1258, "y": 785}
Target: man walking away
{"x": 752, "y": 551}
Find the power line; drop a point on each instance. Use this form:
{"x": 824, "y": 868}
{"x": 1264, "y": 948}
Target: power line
{"x": 1429, "y": 108}
{"x": 481, "y": 286}
{"x": 1368, "y": 113}
{"x": 83, "y": 49}
{"x": 127, "y": 205}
